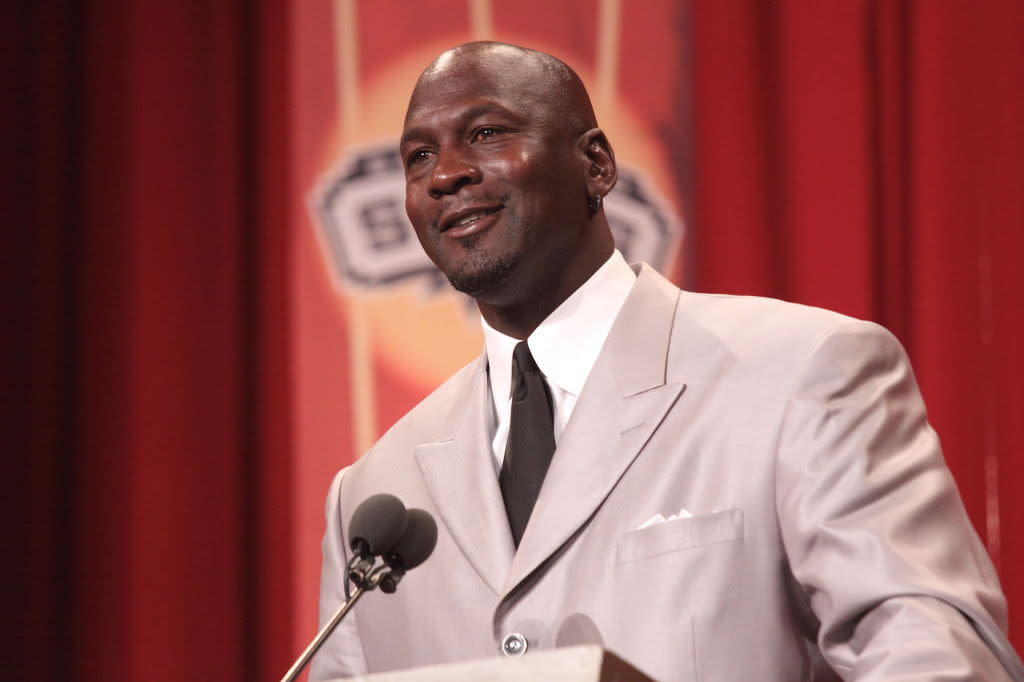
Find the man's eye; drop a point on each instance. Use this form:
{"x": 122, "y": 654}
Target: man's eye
{"x": 486, "y": 133}
{"x": 417, "y": 156}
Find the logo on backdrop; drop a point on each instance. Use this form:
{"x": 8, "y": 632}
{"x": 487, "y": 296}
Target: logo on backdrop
{"x": 360, "y": 213}
{"x": 406, "y": 324}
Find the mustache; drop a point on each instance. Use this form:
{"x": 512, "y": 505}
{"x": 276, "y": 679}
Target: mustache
{"x": 463, "y": 201}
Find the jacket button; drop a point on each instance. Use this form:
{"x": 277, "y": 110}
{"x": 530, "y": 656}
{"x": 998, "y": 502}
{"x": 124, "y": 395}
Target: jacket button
{"x": 513, "y": 645}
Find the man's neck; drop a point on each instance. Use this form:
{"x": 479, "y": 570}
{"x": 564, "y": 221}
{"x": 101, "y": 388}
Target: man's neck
{"x": 519, "y": 318}
{"x": 517, "y": 321}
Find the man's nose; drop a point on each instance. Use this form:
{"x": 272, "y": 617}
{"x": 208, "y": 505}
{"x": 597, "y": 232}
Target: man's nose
{"x": 452, "y": 171}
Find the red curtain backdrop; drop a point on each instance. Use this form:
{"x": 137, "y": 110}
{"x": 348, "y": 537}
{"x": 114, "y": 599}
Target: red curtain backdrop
{"x": 148, "y": 503}
{"x": 866, "y": 156}
{"x": 869, "y": 157}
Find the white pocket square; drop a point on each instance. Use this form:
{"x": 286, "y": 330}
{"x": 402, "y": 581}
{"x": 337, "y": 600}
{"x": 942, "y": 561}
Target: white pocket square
{"x": 658, "y": 518}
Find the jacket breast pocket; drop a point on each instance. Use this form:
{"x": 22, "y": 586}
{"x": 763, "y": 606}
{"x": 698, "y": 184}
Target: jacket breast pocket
{"x": 680, "y": 534}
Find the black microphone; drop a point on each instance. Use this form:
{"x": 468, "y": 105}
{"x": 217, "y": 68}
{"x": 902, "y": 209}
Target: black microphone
{"x": 377, "y": 524}
{"x": 412, "y": 549}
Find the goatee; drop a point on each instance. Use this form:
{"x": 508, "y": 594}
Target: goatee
{"x": 481, "y": 274}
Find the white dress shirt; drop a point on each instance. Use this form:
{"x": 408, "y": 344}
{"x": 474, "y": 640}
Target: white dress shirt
{"x": 565, "y": 347}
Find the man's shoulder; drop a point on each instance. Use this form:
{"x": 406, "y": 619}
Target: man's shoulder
{"x": 749, "y": 323}
{"x": 758, "y": 331}
{"x": 730, "y": 314}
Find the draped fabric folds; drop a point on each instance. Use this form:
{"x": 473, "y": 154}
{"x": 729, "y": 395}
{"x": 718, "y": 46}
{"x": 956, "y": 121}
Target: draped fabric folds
{"x": 869, "y": 157}
{"x": 149, "y": 499}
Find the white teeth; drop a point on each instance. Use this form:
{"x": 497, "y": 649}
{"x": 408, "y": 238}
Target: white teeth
{"x": 468, "y": 219}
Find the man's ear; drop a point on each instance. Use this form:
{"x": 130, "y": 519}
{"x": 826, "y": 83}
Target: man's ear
{"x": 602, "y": 172}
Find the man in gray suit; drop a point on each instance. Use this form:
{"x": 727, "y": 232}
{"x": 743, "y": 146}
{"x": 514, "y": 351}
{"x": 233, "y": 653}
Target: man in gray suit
{"x": 739, "y": 488}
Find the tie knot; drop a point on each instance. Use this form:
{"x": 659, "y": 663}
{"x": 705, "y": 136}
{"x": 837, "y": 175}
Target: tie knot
{"x": 522, "y": 359}
{"x": 522, "y": 364}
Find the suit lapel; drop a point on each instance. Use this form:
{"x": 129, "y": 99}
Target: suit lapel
{"x": 458, "y": 470}
{"x": 624, "y": 400}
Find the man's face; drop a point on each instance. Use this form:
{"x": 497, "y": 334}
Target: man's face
{"x": 494, "y": 183}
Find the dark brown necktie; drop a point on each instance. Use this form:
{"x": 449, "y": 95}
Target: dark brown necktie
{"x": 531, "y": 440}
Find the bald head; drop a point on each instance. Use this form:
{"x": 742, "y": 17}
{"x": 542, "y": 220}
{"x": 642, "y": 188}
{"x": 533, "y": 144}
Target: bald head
{"x": 505, "y": 169}
{"x": 539, "y": 78}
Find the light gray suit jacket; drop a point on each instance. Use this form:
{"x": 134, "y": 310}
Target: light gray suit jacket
{"x": 826, "y": 533}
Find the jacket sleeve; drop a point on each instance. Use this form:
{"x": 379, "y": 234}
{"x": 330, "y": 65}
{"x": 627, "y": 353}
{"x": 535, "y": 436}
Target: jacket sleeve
{"x": 342, "y": 653}
{"x": 874, "y": 528}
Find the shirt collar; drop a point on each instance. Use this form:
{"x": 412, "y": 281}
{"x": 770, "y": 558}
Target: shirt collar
{"x": 566, "y": 344}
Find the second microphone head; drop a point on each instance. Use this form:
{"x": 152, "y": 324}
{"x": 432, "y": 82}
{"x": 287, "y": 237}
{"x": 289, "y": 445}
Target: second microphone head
{"x": 416, "y": 543}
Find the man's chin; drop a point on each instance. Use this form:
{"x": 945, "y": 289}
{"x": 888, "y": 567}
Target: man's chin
{"x": 483, "y": 278}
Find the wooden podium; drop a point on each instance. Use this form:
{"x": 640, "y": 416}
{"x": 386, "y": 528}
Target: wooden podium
{"x": 573, "y": 664}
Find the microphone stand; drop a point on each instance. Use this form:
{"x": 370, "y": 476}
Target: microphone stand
{"x": 369, "y": 582}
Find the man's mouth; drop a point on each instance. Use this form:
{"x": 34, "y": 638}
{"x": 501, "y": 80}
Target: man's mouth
{"x": 468, "y": 221}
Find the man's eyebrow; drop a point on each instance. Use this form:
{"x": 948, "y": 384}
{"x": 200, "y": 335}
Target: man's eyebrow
{"x": 410, "y": 135}
{"x": 467, "y": 115}
{"x": 482, "y": 110}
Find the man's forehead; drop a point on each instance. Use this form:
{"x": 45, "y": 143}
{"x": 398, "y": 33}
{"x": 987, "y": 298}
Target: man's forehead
{"x": 535, "y": 85}
{"x": 454, "y": 112}
{"x": 475, "y": 78}
{"x": 466, "y": 95}
{"x": 490, "y": 57}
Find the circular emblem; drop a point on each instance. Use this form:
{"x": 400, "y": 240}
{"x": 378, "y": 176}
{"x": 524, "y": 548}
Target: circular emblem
{"x": 360, "y": 211}
{"x": 421, "y": 330}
